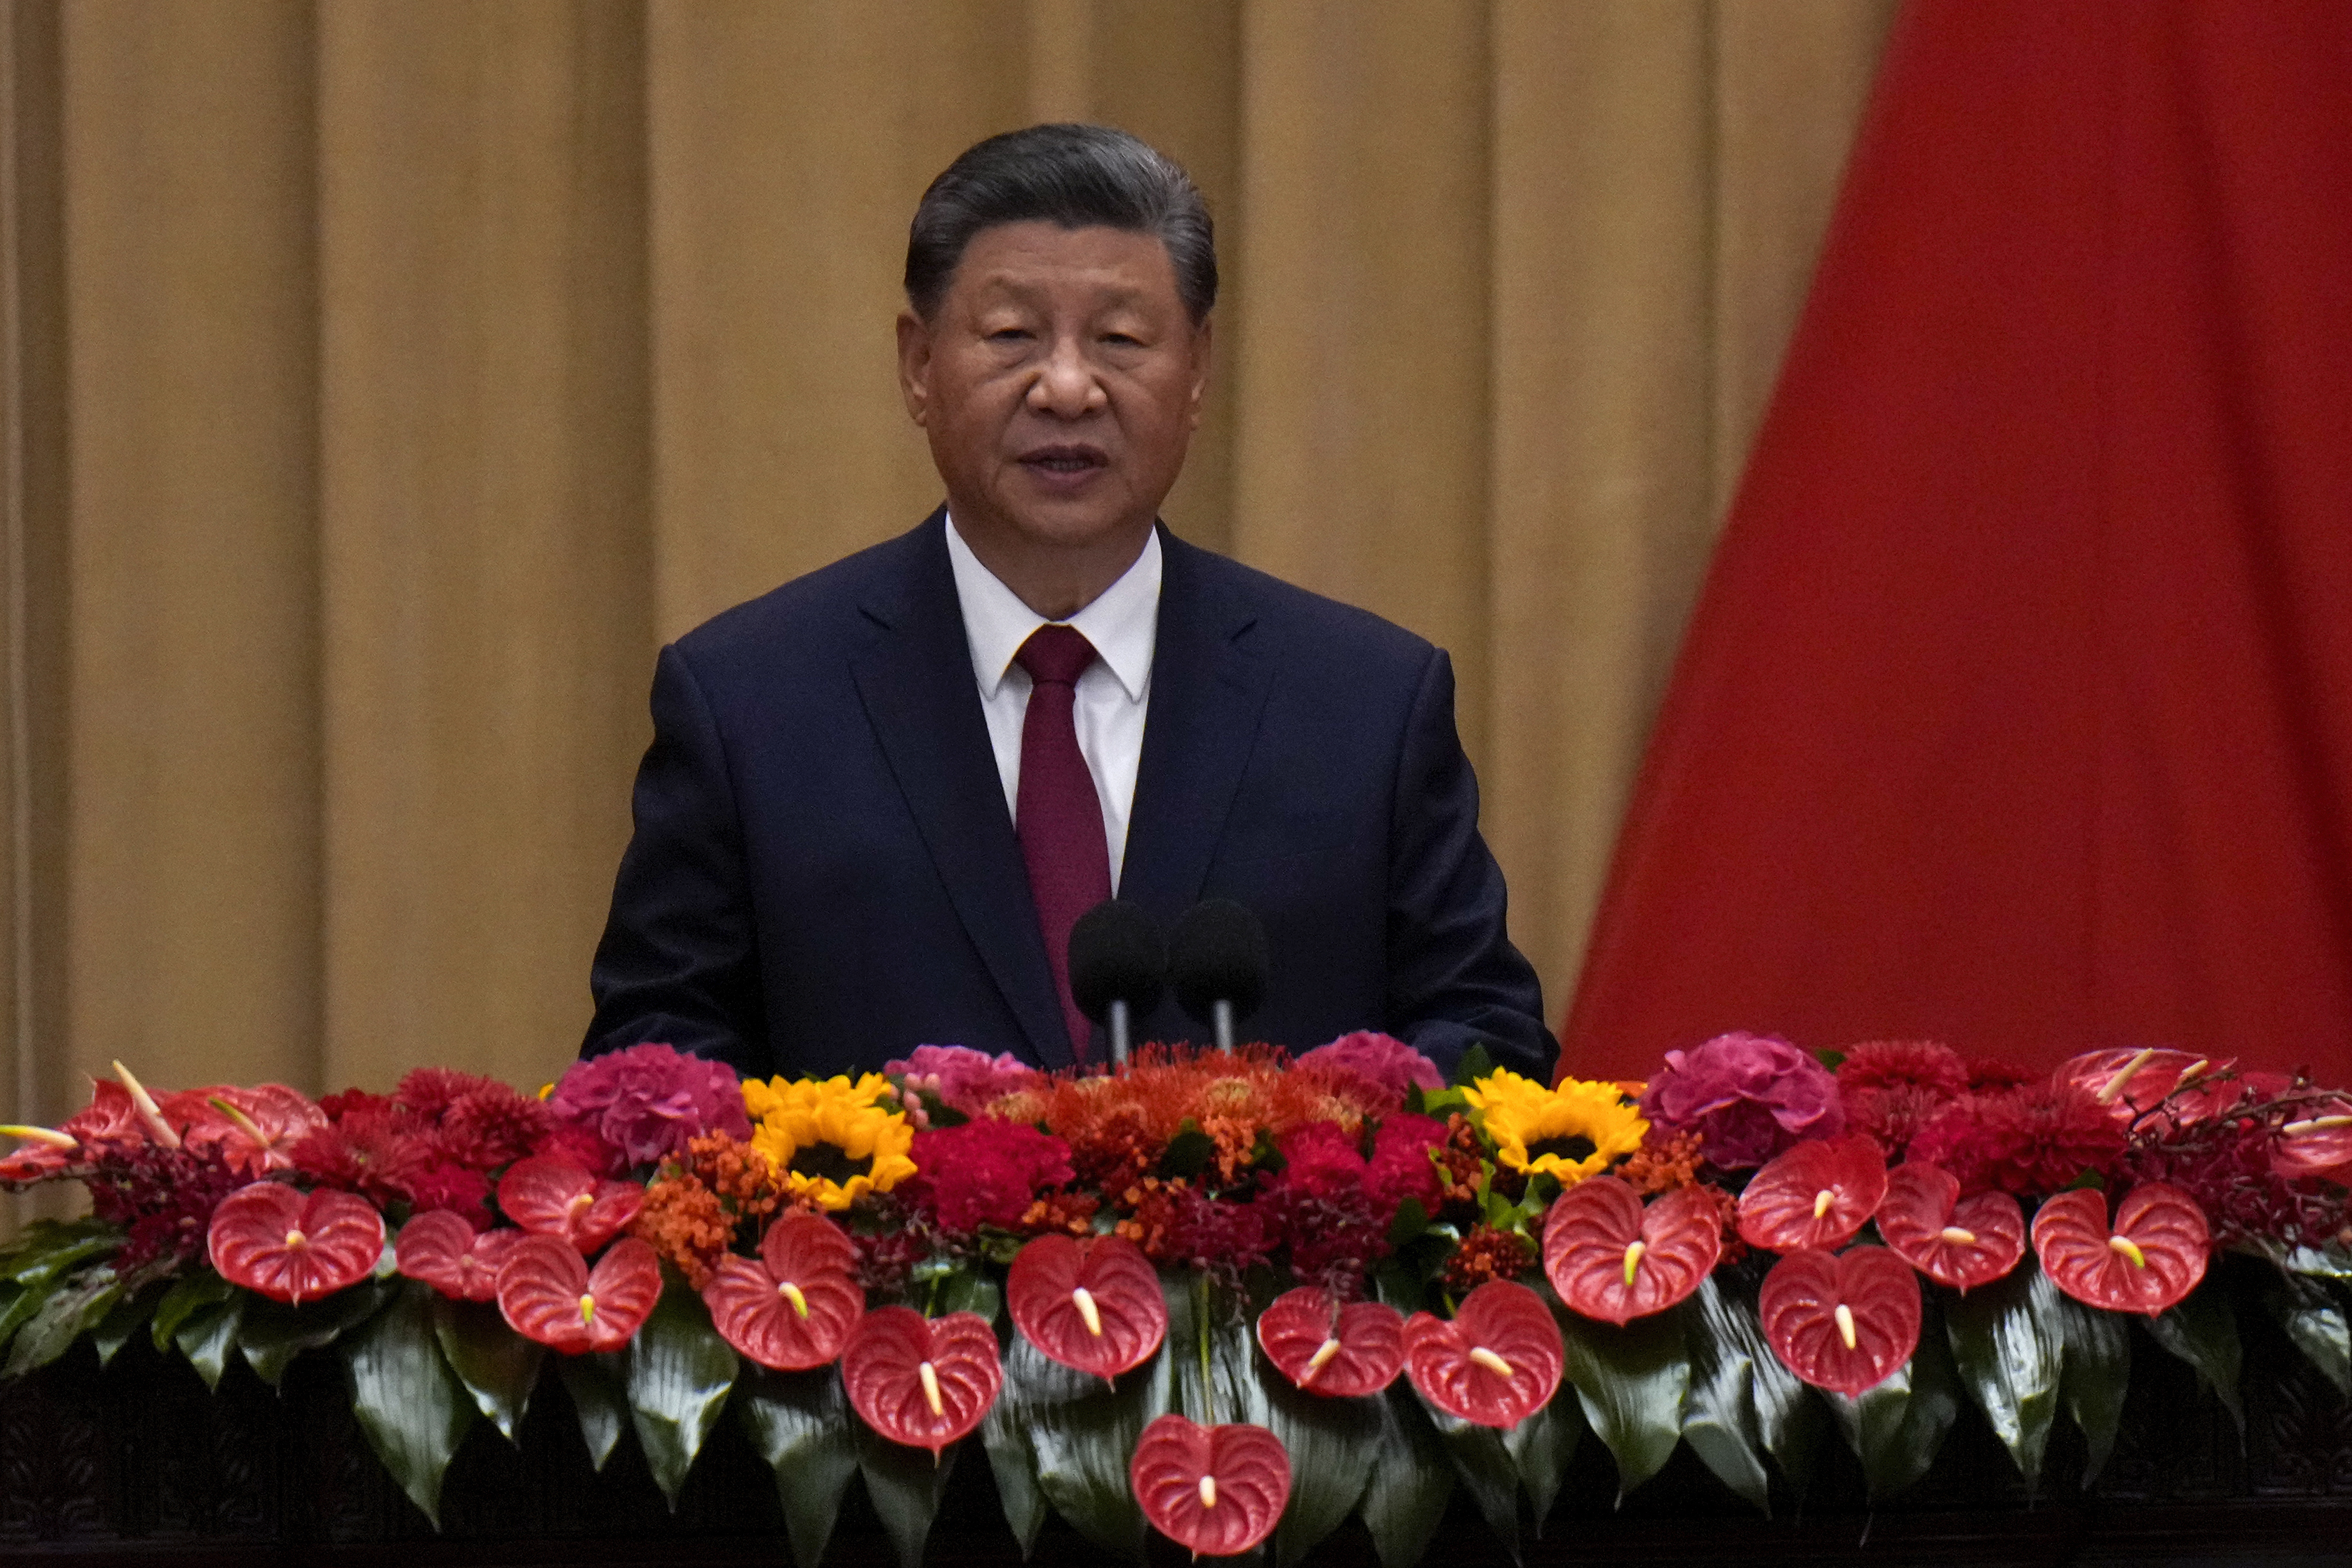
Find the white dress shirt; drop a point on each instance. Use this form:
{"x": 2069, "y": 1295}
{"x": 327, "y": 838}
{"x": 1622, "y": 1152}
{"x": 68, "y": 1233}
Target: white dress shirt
{"x": 1122, "y": 623}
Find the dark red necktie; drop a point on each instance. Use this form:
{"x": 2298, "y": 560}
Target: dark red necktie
{"x": 1057, "y": 815}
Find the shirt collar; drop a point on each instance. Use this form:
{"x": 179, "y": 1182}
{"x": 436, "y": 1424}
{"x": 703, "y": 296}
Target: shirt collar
{"x": 1122, "y": 622}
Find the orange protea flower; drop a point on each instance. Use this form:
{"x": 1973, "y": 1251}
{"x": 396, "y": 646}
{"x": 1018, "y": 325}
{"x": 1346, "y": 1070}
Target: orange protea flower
{"x": 1118, "y": 1124}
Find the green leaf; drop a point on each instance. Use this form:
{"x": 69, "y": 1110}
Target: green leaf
{"x": 48, "y": 1248}
{"x": 2097, "y": 1375}
{"x": 2316, "y": 1325}
{"x": 1541, "y": 1446}
{"x": 186, "y": 1298}
{"x": 207, "y": 1336}
{"x": 273, "y": 1333}
{"x": 2009, "y": 1346}
{"x": 1411, "y": 1223}
{"x": 677, "y": 1371}
{"x": 22, "y": 1301}
{"x": 1475, "y": 1064}
{"x": 598, "y": 1400}
{"x": 1014, "y": 1465}
{"x": 1482, "y": 1461}
{"x": 73, "y": 1307}
{"x": 1897, "y": 1428}
{"x": 498, "y": 1366}
{"x": 409, "y": 1405}
{"x": 1413, "y": 1480}
{"x": 127, "y": 1317}
{"x": 905, "y": 1485}
{"x": 2333, "y": 1261}
{"x": 1083, "y": 1432}
{"x": 969, "y": 1290}
{"x": 1188, "y": 1153}
{"x": 1719, "y": 1418}
{"x": 1632, "y": 1382}
{"x": 1333, "y": 1445}
{"x": 2202, "y": 1331}
{"x": 801, "y": 1423}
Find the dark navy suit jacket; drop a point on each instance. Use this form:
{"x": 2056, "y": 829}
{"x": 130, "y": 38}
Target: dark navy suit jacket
{"x": 825, "y": 875}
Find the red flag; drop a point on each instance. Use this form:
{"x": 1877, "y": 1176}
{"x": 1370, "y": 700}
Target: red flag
{"x": 2018, "y": 710}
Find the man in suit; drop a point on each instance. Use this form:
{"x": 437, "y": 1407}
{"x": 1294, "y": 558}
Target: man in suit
{"x": 878, "y": 796}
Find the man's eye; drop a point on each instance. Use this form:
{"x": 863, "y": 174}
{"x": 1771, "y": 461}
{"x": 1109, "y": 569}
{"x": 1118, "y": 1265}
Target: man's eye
{"x": 1009, "y": 335}
{"x": 1122, "y": 339}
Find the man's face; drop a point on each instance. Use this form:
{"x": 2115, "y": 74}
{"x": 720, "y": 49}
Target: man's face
{"x": 1059, "y": 380}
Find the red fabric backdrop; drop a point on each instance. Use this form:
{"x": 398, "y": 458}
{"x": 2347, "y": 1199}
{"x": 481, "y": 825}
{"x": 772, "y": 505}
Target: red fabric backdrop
{"x": 2017, "y": 711}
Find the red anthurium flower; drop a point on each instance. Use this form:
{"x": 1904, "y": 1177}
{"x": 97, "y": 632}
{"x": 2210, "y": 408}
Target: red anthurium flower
{"x": 795, "y": 1307}
{"x": 2129, "y": 1082}
{"x": 292, "y": 1246}
{"x": 1094, "y": 1305}
{"x": 2153, "y": 1256}
{"x": 553, "y": 1195}
{"x": 1331, "y": 1349}
{"x": 921, "y": 1381}
{"x": 1613, "y": 1259}
{"x": 2317, "y": 1143}
{"x": 1218, "y": 1490}
{"x": 1841, "y": 1323}
{"x": 547, "y": 1292}
{"x": 1951, "y": 1242}
{"x": 253, "y": 1128}
{"x": 1815, "y": 1195}
{"x": 1498, "y": 1363}
{"x": 441, "y": 1248}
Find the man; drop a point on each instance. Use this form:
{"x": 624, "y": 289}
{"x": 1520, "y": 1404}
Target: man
{"x": 877, "y": 797}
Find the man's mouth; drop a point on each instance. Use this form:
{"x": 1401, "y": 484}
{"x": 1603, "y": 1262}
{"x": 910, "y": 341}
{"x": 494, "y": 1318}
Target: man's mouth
{"x": 1065, "y": 459}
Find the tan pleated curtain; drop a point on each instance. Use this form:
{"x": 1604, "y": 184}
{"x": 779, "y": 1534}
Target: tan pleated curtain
{"x": 385, "y": 380}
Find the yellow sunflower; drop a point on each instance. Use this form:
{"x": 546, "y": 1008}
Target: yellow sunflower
{"x": 1572, "y": 1132}
{"x": 829, "y": 1139}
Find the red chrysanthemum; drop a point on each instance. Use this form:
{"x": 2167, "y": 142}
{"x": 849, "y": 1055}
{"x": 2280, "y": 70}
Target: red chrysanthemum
{"x": 2039, "y": 1138}
{"x": 488, "y": 1128}
{"x": 426, "y": 1092}
{"x": 367, "y": 1150}
{"x": 985, "y": 1172}
{"x": 1892, "y": 1117}
{"x": 445, "y": 1185}
{"x": 1904, "y": 1064}
{"x": 1321, "y": 1160}
{"x": 1988, "y": 1074}
{"x": 1399, "y": 1167}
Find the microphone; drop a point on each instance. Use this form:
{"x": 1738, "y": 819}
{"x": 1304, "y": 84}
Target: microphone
{"x": 1217, "y": 963}
{"x": 1118, "y": 967}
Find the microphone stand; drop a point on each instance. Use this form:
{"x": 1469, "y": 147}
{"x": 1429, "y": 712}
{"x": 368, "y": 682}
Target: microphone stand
{"x": 1118, "y": 1031}
{"x": 1221, "y": 1014}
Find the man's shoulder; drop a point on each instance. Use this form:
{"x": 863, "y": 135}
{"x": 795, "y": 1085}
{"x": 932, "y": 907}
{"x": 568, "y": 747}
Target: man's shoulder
{"x": 815, "y": 611}
{"x": 1307, "y": 621}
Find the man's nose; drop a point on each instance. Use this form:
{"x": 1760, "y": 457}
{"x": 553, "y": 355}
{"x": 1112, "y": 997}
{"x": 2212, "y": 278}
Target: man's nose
{"x": 1065, "y": 384}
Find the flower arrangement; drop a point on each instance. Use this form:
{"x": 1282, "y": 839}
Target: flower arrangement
{"x": 1203, "y": 1264}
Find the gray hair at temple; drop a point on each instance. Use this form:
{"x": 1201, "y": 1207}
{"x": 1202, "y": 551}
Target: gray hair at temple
{"x": 1079, "y": 176}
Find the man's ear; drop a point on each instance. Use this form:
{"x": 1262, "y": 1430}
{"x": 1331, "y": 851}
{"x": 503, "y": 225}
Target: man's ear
{"x": 1201, "y": 360}
{"x": 914, "y": 364}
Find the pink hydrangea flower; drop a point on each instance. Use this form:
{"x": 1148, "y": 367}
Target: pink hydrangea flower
{"x": 968, "y": 1080}
{"x": 1748, "y": 1095}
{"x": 648, "y": 1101}
{"x": 1378, "y": 1060}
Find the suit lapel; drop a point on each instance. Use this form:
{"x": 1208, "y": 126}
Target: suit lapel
{"x": 915, "y": 679}
{"x": 1210, "y": 677}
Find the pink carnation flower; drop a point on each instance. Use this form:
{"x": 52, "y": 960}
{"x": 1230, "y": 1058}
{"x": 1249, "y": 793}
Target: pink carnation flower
{"x": 968, "y": 1080}
{"x": 1748, "y": 1096}
{"x": 1389, "y": 1064}
{"x": 648, "y": 1101}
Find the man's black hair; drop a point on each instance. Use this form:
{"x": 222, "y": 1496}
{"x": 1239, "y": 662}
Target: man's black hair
{"x": 1079, "y": 176}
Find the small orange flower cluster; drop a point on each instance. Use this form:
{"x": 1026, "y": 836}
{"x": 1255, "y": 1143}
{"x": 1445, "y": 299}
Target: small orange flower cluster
{"x": 1071, "y": 1211}
{"x": 1661, "y": 1166}
{"x": 736, "y": 1172}
{"x": 686, "y": 1222}
{"x": 1459, "y": 1164}
{"x": 1488, "y": 1253}
{"x": 1151, "y": 1204}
